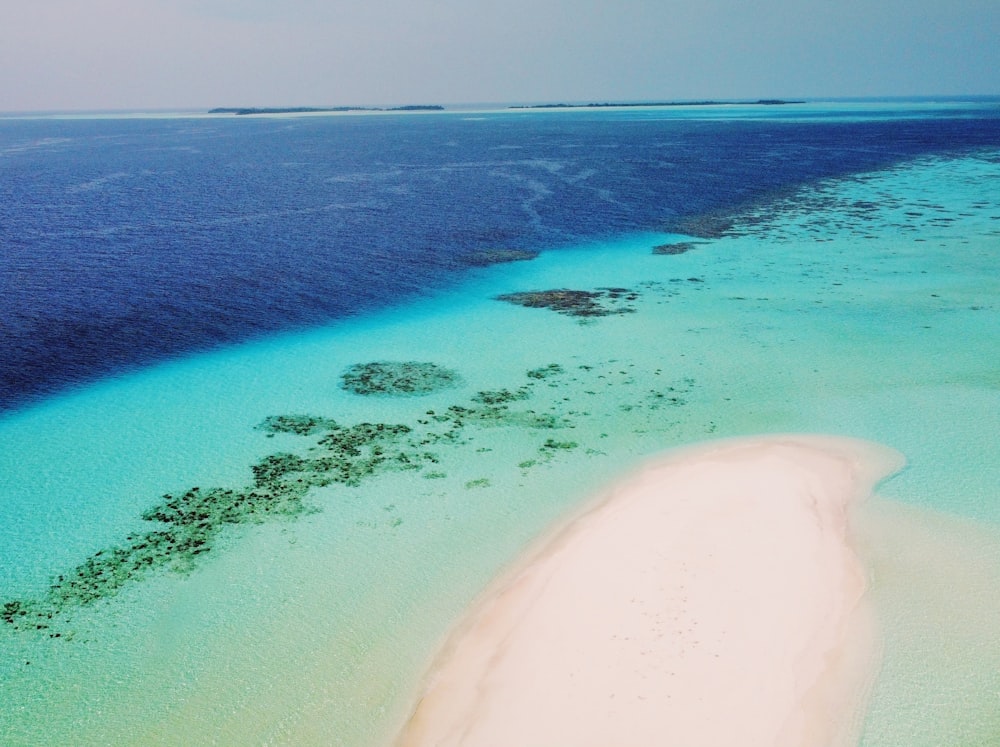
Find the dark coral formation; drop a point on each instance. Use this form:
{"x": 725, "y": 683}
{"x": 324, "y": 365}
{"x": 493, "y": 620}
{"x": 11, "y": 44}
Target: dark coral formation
{"x": 493, "y": 408}
{"x": 711, "y": 225}
{"x": 671, "y": 396}
{"x": 500, "y": 396}
{"x": 553, "y": 369}
{"x": 487, "y": 257}
{"x": 188, "y": 525}
{"x": 398, "y": 378}
{"x": 578, "y": 303}
{"x": 300, "y": 425}
{"x": 680, "y": 247}
{"x": 550, "y": 446}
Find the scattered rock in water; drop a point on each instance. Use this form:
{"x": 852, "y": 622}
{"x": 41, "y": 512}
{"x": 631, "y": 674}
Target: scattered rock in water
{"x": 681, "y": 247}
{"x": 487, "y": 257}
{"x": 398, "y": 379}
{"x": 578, "y": 303}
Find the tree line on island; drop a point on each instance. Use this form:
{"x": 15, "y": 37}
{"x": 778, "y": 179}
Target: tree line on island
{"x": 315, "y": 109}
{"x": 613, "y": 105}
{"x": 238, "y": 110}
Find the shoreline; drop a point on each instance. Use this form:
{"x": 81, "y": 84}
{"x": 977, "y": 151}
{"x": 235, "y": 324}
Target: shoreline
{"x": 620, "y": 625}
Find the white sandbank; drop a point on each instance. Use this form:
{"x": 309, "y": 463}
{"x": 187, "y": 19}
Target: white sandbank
{"x": 713, "y": 599}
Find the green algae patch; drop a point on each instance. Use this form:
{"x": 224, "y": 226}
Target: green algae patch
{"x": 398, "y": 378}
{"x": 577, "y": 303}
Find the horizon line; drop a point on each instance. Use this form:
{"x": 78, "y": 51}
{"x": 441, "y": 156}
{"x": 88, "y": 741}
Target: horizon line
{"x": 497, "y": 105}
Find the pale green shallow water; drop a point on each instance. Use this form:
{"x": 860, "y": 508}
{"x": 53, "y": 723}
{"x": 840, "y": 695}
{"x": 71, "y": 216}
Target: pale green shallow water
{"x": 867, "y": 307}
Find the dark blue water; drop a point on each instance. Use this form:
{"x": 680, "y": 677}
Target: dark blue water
{"x": 126, "y": 241}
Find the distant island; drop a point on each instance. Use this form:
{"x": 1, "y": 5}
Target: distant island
{"x": 241, "y": 111}
{"x": 609, "y": 105}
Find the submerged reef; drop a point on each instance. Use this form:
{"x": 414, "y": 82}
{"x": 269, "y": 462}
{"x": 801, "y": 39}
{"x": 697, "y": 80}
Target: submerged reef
{"x": 710, "y": 225}
{"x": 188, "y": 525}
{"x": 300, "y": 425}
{"x": 578, "y": 303}
{"x": 318, "y": 451}
{"x": 680, "y": 247}
{"x": 487, "y": 257}
{"x": 553, "y": 369}
{"x": 396, "y": 378}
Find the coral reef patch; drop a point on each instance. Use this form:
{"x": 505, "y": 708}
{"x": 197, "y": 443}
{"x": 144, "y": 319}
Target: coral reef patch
{"x": 578, "y": 303}
{"x": 680, "y": 247}
{"x": 487, "y": 257}
{"x": 709, "y": 225}
{"x": 300, "y": 425}
{"x": 321, "y": 452}
{"x": 188, "y": 525}
{"x": 553, "y": 369}
{"x": 398, "y": 378}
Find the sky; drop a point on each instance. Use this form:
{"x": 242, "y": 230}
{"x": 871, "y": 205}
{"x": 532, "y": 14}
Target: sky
{"x": 190, "y": 54}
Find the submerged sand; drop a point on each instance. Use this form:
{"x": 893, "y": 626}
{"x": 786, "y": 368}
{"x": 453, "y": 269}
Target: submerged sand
{"x": 715, "y": 598}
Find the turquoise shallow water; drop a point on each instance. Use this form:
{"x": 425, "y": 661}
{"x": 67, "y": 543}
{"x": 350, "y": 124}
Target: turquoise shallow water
{"x": 865, "y": 306}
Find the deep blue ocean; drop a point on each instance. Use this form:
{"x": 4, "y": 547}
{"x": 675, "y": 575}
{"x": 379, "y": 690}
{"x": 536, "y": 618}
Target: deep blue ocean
{"x": 125, "y": 241}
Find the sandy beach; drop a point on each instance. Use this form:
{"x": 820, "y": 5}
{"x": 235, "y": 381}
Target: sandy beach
{"x": 713, "y": 598}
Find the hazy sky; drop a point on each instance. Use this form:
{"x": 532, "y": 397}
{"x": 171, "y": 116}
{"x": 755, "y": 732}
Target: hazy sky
{"x": 134, "y": 54}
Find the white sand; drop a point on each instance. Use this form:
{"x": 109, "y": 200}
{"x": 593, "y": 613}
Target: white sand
{"x": 713, "y": 599}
